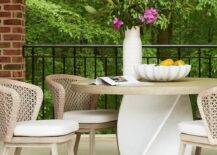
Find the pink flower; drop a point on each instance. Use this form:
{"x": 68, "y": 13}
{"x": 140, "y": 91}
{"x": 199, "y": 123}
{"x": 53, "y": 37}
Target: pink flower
{"x": 117, "y": 24}
{"x": 149, "y": 16}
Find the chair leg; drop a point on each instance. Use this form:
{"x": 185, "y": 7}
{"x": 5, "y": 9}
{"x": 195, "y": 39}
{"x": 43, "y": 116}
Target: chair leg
{"x": 117, "y": 143}
{"x": 54, "y": 150}
{"x": 5, "y": 150}
{"x": 78, "y": 137}
{"x": 198, "y": 150}
{"x": 182, "y": 148}
{"x": 70, "y": 147}
{"x": 18, "y": 151}
{"x": 92, "y": 143}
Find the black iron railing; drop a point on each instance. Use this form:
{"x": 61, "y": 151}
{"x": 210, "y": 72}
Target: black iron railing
{"x": 104, "y": 60}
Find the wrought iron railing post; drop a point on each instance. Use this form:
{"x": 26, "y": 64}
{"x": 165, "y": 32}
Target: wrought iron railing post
{"x": 33, "y": 65}
{"x": 210, "y": 66}
{"x": 43, "y": 86}
{"x": 199, "y": 61}
{"x": 179, "y": 53}
{"x": 64, "y": 63}
{"x": 53, "y": 55}
{"x": 95, "y": 62}
{"x": 74, "y": 60}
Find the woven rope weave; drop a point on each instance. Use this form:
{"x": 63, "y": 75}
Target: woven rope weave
{"x": 65, "y": 99}
{"x": 9, "y": 106}
{"x": 207, "y": 104}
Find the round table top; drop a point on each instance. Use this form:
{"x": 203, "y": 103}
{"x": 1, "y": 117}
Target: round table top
{"x": 183, "y": 87}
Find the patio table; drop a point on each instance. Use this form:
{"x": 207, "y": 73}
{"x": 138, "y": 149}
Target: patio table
{"x": 149, "y": 114}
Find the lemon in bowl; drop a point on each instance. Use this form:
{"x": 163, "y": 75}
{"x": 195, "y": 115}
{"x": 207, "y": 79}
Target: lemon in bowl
{"x": 167, "y": 62}
{"x": 179, "y": 63}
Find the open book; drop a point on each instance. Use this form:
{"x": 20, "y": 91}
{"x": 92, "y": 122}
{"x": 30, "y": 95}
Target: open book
{"x": 117, "y": 81}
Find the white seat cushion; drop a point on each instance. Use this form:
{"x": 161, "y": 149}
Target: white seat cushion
{"x": 195, "y": 128}
{"x": 45, "y": 128}
{"x": 91, "y": 116}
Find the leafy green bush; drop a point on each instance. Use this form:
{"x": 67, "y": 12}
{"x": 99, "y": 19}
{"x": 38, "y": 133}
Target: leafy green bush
{"x": 48, "y": 22}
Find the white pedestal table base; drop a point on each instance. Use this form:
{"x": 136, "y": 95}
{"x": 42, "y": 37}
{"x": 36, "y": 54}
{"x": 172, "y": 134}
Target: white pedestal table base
{"x": 147, "y": 125}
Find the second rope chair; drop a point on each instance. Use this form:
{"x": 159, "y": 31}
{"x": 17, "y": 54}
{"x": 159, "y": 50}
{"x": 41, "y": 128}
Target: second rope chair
{"x": 80, "y": 107}
{"x": 201, "y": 133}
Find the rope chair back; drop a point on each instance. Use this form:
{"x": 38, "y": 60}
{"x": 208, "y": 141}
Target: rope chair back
{"x": 207, "y": 104}
{"x": 64, "y": 98}
{"x": 9, "y": 108}
{"x": 31, "y": 97}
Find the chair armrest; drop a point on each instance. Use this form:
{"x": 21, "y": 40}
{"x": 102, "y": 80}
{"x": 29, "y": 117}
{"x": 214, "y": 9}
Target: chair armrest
{"x": 207, "y": 104}
{"x": 58, "y": 95}
{"x": 10, "y": 103}
{"x": 31, "y": 98}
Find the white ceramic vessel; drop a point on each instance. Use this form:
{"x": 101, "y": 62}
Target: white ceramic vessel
{"x": 162, "y": 73}
{"x": 132, "y": 51}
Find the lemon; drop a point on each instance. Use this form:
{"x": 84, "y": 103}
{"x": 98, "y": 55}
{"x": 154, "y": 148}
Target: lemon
{"x": 167, "y": 62}
{"x": 179, "y": 63}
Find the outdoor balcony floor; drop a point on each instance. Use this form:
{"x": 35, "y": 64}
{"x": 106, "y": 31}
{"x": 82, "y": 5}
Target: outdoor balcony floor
{"x": 105, "y": 145}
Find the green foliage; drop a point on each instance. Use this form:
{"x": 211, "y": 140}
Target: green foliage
{"x": 48, "y": 22}
{"x": 90, "y": 9}
{"x": 130, "y": 11}
{"x": 61, "y": 21}
{"x": 209, "y": 5}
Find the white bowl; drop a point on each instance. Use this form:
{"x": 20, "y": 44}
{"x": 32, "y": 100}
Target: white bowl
{"x": 162, "y": 73}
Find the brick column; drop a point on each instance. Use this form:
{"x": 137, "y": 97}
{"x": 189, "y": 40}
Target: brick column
{"x": 12, "y": 37}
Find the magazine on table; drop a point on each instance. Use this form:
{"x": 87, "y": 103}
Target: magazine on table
{"x": 118, "y": 81}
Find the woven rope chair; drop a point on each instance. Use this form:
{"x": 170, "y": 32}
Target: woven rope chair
{"x": 79, "y": 107}
{"x": 201, "y": 133}
{"x": 19, "y": 106}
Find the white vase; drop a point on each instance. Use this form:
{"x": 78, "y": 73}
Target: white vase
{"x": 132, "y": 51}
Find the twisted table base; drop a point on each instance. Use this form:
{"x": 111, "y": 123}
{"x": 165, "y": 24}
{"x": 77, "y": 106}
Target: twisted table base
{"x": 147, "y": 124}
